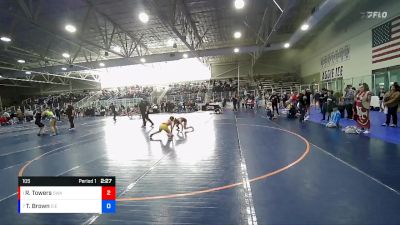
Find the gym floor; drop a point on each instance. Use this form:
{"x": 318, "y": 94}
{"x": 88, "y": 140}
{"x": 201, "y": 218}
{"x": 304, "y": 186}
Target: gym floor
{"x": 234, "y": 168}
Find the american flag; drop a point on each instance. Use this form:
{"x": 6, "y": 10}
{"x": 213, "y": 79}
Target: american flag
{"x": 386, "y": 41}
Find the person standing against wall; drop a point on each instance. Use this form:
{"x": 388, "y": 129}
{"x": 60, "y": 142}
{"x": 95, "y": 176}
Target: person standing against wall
{"x": 391, "y": 100}
{"x": 363, "y": 100}
{"x": 348, "y": 101}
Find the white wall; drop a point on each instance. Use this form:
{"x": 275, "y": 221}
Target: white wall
{"x": 359, "y": 65}
{"x": 354, "y": 31}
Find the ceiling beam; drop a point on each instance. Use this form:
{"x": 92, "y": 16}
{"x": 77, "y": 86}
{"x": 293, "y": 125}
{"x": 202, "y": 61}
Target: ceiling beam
{"x": 44, "y": 29}
{"x": 15, "y": 85}
{"x": 117, "y": 27}
{"x": 182, "y": 17}
{"x": 32, "y": 81}
{"x": 170, "y": 56}
{"x": 68, "y": 75}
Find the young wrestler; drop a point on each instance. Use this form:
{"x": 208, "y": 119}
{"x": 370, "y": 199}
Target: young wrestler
{"x": 181, "y": 121}
{"x": 38, "y": 122}
{"x": 270, "y": 112}
{"x": 53, "y": 121}
{"x": 164, "y": 127}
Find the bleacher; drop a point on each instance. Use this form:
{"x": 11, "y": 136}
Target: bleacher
{"x": 280, "y": 87}
{"x": 186, "y": 92}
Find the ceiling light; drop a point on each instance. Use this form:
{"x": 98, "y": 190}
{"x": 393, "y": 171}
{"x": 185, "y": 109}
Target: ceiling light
{"x": 65, "y": 55}
{"x": 116, "y": 49}
{"x": 236, "y": 50}
{"x": 143, "y": 60}
{"x": 286, "y": 45}
{"x": 170, "y": 42}
{"x": 64, "y": 68}
{"x": 143, "y": 17}
{"x": 28, "y": 72}
{"x": 102, "y": 64}
{"x": 21, "y": 61}
{"x": 1, "y": 76}
{"x": 304, "y": 27}
{"x": 239, "y": 4}
{"x": 70, "y": 28}
{"x": 237, "y": 34}
{"x": 5, "y": 39}
{"x": 185, "y": 55}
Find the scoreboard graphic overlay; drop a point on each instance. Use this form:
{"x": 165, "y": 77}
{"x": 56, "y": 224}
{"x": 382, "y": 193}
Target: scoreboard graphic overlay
{"x": 66, "y": 195}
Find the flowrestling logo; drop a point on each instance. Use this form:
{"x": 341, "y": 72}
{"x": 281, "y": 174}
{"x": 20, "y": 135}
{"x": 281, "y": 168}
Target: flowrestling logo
{"x": 374, "y": 15}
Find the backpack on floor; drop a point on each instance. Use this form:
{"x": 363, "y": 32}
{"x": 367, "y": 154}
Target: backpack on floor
{"x": 331, "y": 125}
{"x": 351, "y": 130}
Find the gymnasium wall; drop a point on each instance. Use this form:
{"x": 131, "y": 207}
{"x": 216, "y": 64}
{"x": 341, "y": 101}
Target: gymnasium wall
{"x": 277, "y": 62}
{"x": 230, "y": 70}
{"x": 270, "y": 63}
{"x": 76, "y": 85}
{"x": 352, "y": 32}
{"x": 14, "y": 95}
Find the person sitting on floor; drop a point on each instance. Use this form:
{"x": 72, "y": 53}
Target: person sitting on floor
{"x": 4, "y": 121}
{"x": 291, "y": 111}
{"x": 334, "y": 119}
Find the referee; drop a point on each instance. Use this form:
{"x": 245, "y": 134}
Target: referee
{"x": 144, "y": 108}
{"x": 70, "y": 113}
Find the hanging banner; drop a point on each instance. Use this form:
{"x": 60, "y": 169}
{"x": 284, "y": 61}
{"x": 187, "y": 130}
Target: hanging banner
{"x": 332, "y": 73}
{"x": 337, "y": 56}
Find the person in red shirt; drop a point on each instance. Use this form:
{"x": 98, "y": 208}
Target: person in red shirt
{"x": 294, "y": 97}
{"x": 4, "y": 121}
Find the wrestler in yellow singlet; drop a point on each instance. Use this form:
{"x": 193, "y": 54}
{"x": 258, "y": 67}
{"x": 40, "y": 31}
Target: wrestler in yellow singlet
{"x": 53, "y": 121}
{"x": 165, "y": 127}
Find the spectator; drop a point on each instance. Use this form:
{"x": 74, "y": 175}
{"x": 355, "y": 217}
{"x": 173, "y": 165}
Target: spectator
{"x": 58, "y": 114}
{"x": 20, "y": 116}
{"x": 363, "y": 100}
{"x": 234, "y": 102}
{"x": 317, "y": 99}
{"x": 348, "y": 101}
{"x": 274, "y": 98}
{"x": 4, "y": 121}
{"x": 391, "y": 100}
{"x": 302, "y": 107}
{"x": 331, "y": 102}
{"x": 335, "y": 118}
{"x": 308, "y": 102}
{"x": 381, "y": 94}
{"x": 341, "y": 106}
{"x": 28, "y": 115}
{"x": 323, "y": 102}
